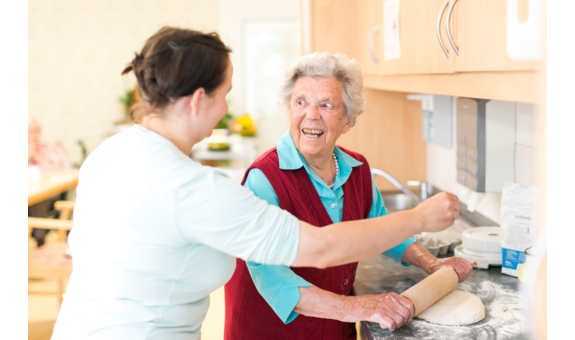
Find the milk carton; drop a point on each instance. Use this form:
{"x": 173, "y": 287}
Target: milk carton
{"x": 518, "y": 222}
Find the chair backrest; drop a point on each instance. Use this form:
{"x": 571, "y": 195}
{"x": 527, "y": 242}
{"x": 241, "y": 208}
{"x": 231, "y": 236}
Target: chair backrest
{"x": 65, "y": 208}
{"x": 63, "y": 224}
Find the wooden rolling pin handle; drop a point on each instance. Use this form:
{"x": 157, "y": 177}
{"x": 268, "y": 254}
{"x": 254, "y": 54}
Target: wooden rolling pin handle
{"x": 431, "y": 289}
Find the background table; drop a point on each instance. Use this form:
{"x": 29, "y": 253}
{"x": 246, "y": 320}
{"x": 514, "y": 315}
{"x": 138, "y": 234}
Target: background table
{"x": 51, "y": 184}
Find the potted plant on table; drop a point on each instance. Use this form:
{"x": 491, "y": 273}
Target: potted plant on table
{"x": 218, "y": 139}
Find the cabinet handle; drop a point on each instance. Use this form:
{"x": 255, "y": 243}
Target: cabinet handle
{"x": 438, "y": 22}
{"x": 371, "y": 42}
{"x": 447, "y": 26}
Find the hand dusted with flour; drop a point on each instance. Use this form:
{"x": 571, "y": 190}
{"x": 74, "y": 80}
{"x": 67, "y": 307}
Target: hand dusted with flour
{"x": 388, "y": 309}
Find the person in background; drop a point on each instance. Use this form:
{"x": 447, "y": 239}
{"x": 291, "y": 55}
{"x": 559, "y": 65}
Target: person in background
{"x": 46, "y": 158}
{"x": 320, "y": 183}
{"x": 178, "y": 226}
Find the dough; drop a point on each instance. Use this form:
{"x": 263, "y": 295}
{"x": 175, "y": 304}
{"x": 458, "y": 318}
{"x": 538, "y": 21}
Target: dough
{"x": 455, "y": 309}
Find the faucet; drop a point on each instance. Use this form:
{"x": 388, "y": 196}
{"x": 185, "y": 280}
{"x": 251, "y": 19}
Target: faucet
{"x": 398, "y": 185}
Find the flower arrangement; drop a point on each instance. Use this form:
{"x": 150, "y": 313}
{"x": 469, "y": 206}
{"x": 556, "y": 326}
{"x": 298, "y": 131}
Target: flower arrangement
{"x": 244, "y": 126}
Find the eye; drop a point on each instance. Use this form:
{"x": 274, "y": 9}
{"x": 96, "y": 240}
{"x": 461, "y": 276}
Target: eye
{"x": 300, "y": 102}
{"x": 327, "y": 105}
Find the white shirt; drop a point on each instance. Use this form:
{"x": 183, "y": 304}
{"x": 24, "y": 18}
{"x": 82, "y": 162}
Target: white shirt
{"x": 154, "y": 234}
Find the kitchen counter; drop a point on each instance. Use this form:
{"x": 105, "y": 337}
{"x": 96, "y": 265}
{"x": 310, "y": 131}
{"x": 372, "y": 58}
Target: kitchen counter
{"x": 498, "y": 292}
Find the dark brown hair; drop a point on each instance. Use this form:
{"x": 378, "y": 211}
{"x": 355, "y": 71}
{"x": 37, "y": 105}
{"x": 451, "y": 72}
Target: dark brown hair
{"x": 174, "y": 63}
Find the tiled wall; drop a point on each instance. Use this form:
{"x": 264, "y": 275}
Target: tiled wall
{"x": 529, "y": 164}
{"x": 76, "y": 52}
{"x": 530, "y": 146}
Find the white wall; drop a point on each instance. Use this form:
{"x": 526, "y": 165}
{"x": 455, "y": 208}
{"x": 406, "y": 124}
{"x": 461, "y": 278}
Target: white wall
{"x": 76, "y": 52}
{"x": 530, "y": 146}
{"x": 231, "y": 16}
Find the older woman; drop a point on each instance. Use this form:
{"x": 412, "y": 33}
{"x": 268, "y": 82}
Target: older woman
{"x": 320, "y": 183}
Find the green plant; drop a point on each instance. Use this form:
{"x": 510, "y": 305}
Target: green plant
{"x": 127, "y": 100}
{"x": 224, "y": 122}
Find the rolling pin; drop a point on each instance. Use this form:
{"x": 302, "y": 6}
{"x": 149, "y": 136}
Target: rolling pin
{"x": 431, "y": 289}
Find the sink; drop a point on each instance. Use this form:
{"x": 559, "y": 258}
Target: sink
{"x": 397, "y": 202}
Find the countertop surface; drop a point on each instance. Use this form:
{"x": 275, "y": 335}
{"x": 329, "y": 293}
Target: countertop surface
{"x": 504, "y": 318}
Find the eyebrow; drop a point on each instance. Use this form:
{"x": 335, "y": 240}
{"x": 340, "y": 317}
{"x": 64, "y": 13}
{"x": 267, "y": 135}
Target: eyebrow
{"x": 325, "y": 99}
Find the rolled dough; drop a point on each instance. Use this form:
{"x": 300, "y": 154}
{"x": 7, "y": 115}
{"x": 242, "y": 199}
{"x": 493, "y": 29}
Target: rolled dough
{"x": 455, "y": 309}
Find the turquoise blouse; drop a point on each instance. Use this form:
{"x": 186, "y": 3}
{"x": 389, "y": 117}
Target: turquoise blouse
{"x": 278, "y": 284}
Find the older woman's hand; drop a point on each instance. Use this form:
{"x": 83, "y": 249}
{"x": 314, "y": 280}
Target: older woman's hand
{"x": 417, "y": 255}
{"x": 389, "y": 309}
{"x": 461, "y": 266}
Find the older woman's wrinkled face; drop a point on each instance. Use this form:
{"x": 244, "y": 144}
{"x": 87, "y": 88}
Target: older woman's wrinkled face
{"x": 317, "y": 117}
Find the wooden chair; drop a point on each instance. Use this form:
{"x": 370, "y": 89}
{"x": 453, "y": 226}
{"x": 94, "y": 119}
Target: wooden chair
{"x": 50, "y": 260}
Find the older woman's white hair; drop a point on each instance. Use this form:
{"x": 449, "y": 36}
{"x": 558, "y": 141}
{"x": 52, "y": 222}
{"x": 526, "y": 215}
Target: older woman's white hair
{"x": 325, "y": 64}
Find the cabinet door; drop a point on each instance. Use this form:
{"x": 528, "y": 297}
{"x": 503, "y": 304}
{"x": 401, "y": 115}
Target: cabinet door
{"x": 369, "y": 18}
{"x": 479, "y": 30}
{"x": 421, "y": 52}
{"x": 333, "y": 26}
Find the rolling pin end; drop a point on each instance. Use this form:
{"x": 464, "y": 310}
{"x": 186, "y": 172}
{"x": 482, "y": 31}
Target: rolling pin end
{"x": 430, "y": 290}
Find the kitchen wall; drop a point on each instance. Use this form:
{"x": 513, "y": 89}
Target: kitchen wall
{"x": 530, "y": 163}
{"x": 76, "y": 52}
{"x": 232, "y": 16}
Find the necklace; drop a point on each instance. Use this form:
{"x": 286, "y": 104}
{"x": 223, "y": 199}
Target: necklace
{"x": 336, "y": 169}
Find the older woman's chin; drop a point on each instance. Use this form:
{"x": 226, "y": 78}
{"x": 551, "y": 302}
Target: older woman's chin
{"x": 308, "y": 150}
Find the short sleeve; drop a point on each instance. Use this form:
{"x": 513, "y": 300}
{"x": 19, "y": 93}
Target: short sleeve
{"x": 378, "y": 209}
{"x": 213, "y": 210}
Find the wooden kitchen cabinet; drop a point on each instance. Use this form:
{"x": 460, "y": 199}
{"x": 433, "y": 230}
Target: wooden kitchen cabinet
{"x": 421, "y": 52}
{"x": 345, "y": 26}
{"x": 369, "y": 17}
{"x": 333, "y": 26}
{"x": 478, "y": 28}
{"x": 479, "y": 31}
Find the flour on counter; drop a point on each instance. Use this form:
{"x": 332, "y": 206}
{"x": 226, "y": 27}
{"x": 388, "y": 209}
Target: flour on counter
{"x": 504, "y": 318}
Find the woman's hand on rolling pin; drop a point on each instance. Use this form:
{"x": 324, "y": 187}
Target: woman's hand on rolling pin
{"x": 388, "y": 309}
{"x": 461, "y": 266}
{"x": 438, "y": 212}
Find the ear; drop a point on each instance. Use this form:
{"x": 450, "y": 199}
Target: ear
{"x": 196, "y": 101}
{"x": 347, "y": 126}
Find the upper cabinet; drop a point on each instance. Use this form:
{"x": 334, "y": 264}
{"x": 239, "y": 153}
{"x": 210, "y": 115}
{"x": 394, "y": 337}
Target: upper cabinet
{"x": 479, "y": 31}
{"x": 330, "y": 26}
{"x": 438, "y": 36}
{"x": 446, "y": 47}
{"x": 420, "y": 50}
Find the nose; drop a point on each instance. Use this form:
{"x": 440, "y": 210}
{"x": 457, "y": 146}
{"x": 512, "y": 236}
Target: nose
{"x": 312, "y": 112}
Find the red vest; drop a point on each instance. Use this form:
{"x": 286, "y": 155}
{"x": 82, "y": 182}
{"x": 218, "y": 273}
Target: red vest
{"x": 248, "y": 315}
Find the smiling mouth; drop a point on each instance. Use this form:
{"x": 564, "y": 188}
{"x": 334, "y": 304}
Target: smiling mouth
{"x": 312, "y": 133}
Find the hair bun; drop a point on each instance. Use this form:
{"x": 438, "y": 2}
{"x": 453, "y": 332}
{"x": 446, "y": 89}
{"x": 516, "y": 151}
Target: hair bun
{"x": 163, "y": 77}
